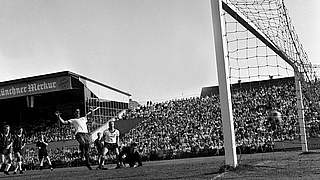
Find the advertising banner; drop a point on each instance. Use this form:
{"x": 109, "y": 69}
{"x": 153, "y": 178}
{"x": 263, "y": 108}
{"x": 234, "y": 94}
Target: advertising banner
{"x": 35, "y": 87}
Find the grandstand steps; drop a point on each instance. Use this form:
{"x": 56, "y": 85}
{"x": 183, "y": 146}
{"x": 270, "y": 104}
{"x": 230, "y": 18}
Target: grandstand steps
{"x": 124, "y": 126}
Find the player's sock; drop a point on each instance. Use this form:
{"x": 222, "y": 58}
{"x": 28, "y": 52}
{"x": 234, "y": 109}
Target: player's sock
{"x": 118, "y": 161}
{"x": 41, "y": 164}
{"x": 101, "y": 163}
{"x": 20, "y": 165}
{"x": 6, "y": 170}
{"x": 7, "y": 167}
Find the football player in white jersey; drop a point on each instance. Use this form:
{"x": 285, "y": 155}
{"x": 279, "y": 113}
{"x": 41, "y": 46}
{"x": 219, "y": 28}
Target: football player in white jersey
{"x": 110, "y": 140}
{"x": 82, "y": 136}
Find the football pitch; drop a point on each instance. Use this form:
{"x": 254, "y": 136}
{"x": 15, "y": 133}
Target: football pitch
{"x": 277, "y": 165}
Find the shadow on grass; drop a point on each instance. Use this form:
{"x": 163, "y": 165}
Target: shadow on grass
{"x": 226, "y": 168}
{"x": 245, "y": 167}
{"x": 199, "y": 175}
{"x": 309, "y": 152}
{"x": 196, "y": 175}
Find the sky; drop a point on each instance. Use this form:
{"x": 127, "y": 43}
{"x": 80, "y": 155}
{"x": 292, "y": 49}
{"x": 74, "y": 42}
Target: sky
{"x": 153, "y": 49}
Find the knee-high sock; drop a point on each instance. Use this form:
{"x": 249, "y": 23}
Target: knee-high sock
{"x": 20, "y": 165}
{"x": 41, "y": 162}
{"x": 7, "y": 167}
{"x": 49, "y": 162}
{"x": 86, "y": 153}
{"x": 102, "y": 158}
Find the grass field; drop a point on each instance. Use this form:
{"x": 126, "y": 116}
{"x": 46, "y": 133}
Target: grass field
{"x": 278, "y": 165}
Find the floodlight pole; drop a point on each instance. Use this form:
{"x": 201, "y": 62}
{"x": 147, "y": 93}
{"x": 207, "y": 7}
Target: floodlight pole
{"x": 224, "y": 85}
{"x": 302, "y": 125}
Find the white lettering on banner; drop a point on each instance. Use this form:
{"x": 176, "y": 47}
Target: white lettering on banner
{"x": 28, "y": 88}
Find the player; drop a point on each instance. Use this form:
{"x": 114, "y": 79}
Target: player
{"x": 19, "y": 142}
{"x": 110, "y": 140}
{"x": 129, "y": 154}
{"x": 6, "y": 148}
{"x": 82, "y": 136}
{"x": 99, "y": 147}
{"x": 43, "y": 153}
{"x": 274, "y": 123}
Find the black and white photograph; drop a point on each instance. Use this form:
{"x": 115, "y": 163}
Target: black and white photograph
{"x": 159, "y": 89}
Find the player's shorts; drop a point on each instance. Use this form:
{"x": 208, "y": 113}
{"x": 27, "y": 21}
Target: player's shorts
{"x": 17, "y": 150}
{"x": 83, "y": 138}
{"x": 100, "y": 150}
{"x": 6, "y": 152}
{"x": 111, "y": 146}
{"x": 43, "y": 154}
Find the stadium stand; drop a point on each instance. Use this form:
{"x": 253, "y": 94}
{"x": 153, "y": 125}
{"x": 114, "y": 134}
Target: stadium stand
{"x": 192, "y": 127}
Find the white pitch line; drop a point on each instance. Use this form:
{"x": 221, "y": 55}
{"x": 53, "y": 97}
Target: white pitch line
{"x": 219, "y": 176}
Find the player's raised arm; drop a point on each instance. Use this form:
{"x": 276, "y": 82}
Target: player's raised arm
{"x": 60, "y": 119}
{"x": 91, "y": 111}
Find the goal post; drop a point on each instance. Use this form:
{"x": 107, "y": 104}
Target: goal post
{"x": 303, "y": 136}
{"x": 224, "y": 87}
{"x": 272, "y": 44}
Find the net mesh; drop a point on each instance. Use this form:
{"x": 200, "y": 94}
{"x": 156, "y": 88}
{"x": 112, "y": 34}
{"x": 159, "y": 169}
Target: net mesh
{"x": 249, "y": 58}
{"x": 270, "y": 18}
{"x": 262, "y": 46}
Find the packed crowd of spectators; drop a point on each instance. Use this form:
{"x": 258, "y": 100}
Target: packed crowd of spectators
{"x": 193, "y": 125}
{"x": 53, "y": 133}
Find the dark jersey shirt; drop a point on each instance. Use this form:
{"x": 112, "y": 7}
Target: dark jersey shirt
{"x": 42, "y": 146}
{"x": 128, "y": 150}
{"x": 5, "y": 140}
{"x": 18, "y": 142}
{"x": 98, "y": 144}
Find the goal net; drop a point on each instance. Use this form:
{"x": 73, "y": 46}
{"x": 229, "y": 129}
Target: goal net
{"x": 267, "y": 64}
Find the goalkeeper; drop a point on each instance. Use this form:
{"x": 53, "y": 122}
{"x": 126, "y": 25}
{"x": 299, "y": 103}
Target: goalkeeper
{"x": 129, "y": 154}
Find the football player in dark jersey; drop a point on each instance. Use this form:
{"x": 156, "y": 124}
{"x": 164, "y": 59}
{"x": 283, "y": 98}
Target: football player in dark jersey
{"x": 43, "y": 153}
{"x": 129, "y": 154}
{"x": 99, "y": 147}
{"x": 19, "y": 142}
{"x": 6, "y": 141}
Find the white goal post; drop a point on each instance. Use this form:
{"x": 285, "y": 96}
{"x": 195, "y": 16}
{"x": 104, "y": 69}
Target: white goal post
{"x": 218, "y": 7}
{"x": 224, "y": 87}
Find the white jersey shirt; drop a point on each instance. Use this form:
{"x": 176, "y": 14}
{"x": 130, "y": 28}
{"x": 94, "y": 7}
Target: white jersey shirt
{"x": 111, "y": 137}
{"x": 80, "y": 124}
